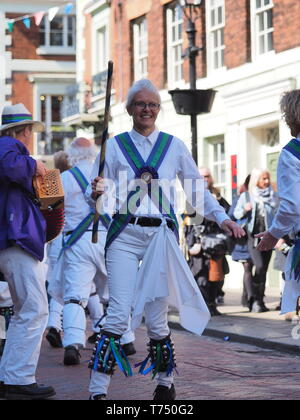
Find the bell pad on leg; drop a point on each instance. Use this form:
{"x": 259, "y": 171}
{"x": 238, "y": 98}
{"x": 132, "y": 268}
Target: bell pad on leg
{"x": 107, "y": 353}
{"x": 161, "y": 356}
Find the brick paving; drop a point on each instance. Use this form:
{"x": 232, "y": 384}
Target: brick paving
{"x": 209, "y": 369}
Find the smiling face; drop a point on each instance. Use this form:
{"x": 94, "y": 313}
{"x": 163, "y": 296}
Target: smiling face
{"x": 144, "y": 118}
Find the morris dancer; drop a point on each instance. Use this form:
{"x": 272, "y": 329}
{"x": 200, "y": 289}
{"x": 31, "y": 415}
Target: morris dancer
{"x": 22, "y": 240}
{"x": 287, "y": 219}
{"x": 142, "y": 235}
{"x": 81, "y": 262}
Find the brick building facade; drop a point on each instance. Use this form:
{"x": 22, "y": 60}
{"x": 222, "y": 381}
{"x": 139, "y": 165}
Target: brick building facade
{"x": 249, "y": 55}
{"x": 37, "y": 67}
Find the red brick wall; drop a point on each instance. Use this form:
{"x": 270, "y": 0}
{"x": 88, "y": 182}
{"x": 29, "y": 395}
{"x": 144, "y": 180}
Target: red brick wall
{"x": 237, "y": 33}
{"x": 157, "y": 37}
{"x": 121, "y": 52}
{"x": 157, "y": 62}
{"x": 286, "y": 24}
{"x": 22, "y": 92}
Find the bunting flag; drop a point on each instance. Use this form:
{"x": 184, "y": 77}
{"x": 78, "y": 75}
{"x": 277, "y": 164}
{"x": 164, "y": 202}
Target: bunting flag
{"x": 52, "y": 13}
{"x": 69, "y": 8}
{"x": 10, "y": 26}
{"x": 26, "y": 22}
{"x": 38, "y": 16}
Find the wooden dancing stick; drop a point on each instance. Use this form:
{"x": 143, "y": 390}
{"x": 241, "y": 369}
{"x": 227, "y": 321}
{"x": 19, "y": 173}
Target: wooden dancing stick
{"x": 103, "y": 142}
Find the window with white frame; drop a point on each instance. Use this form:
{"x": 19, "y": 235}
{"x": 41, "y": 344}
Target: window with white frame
{"x": 215, "y": 33}
{"x": 174, "y": 43}
{"x": 59, "y": 33}
{"x": 215, "y": 156}
{"x": 101, "y": 49}
{"x": 263, "y": 25}
{"x": 140, "y": 48}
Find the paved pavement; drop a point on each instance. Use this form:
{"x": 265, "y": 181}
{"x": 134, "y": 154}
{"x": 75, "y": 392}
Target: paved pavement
{"x": 210, "y": 368}
{"x": 268, "y": 330}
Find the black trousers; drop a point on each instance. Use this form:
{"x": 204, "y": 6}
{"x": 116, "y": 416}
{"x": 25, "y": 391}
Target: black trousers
{"x": 261, "y": 261}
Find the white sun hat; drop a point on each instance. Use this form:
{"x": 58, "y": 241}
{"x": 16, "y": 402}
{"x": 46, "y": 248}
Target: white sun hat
{"x": 16, "y": 115}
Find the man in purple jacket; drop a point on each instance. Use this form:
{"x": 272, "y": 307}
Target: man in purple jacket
{"x": 22, "y": 240}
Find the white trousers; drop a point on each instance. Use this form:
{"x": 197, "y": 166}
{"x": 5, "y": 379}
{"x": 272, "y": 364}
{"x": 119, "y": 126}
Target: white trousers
{"x": 5, "y": 298}
{"x": 83, "y": 263}
{"x": 26, "y": 278}
{"x": 55, "y": 315}
{"x": 5, "y": 302}
{"x": 123, "y": 261}
{"x": 96, "y": 313}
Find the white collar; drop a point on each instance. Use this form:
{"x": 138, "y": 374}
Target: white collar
{"x": 139, "y": 138}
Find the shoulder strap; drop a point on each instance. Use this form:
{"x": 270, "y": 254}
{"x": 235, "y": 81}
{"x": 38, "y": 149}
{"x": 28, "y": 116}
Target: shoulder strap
{"x": 83, "y": 184}
{"x": 80, "y": 178}
{"x": 159, "y": 150}
{"x": 130, "y": 152}
{"x": 293, "y": 147}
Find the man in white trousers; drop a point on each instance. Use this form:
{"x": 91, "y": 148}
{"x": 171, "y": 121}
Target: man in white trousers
{"x": 146, "y": 269}
{"x": 22, "y": 242}
{"x": 81, "y": 262}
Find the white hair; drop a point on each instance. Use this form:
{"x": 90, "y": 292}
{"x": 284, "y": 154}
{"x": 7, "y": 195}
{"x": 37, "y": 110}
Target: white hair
{"x": 254, "y": 178}
{"x": 143, "y": 84}
{"x": 77, "y": 153}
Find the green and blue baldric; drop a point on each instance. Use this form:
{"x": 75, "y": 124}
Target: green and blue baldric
{"x": 146, "y": 171}
{"x": 294, "y": 147}
{"x": 83, "y": 226}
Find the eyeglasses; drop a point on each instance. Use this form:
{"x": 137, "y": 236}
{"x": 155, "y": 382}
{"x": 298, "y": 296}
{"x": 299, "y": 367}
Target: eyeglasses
{"x": 142, "y": 105}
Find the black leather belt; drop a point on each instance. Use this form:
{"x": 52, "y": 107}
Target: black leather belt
{"x": 150, "y": 222}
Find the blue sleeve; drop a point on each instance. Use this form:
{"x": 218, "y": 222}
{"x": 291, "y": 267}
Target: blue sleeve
{"x": 239, "y": 211}
{"x": 16, "y": 167}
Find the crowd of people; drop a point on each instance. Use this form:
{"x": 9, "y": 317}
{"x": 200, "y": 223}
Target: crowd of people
{"x": 254, "y": 210}
{"x": 135, "y": 267}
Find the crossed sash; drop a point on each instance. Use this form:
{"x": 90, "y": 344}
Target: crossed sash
{"x": 146, "y": 171}
{"x": 294, "y": 147}
{"x": 83, "y": 226}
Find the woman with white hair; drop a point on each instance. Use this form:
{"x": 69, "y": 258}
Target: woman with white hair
{"x": 261, "y": 211}
{"x": 146, "y": 269}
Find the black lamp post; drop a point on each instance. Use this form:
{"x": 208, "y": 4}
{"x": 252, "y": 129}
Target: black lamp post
{"x": 192, "y": 101}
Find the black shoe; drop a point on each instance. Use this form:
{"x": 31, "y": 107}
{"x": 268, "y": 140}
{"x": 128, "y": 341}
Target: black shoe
{"x": 54, "y": 338}
{"x": 28, "y": 392}
{"x": 93, "y": 338}
{"x": 163, "y": 393}
{"x": 259, "y": 307}
{"x": 2, "y": 391}
{"x": 213, "y": 310}
{"x": 98, "y": 397}
{"x": 250, "y": 304}
{"x": 129, "y": 349}
{"x": 72, "y": 356}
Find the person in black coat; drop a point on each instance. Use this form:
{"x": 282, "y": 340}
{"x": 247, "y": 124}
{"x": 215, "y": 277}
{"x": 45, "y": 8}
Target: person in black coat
{"x": 200, "y": 262}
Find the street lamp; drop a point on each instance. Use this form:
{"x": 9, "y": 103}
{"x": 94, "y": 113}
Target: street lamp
{"x": 192, "y": 101}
